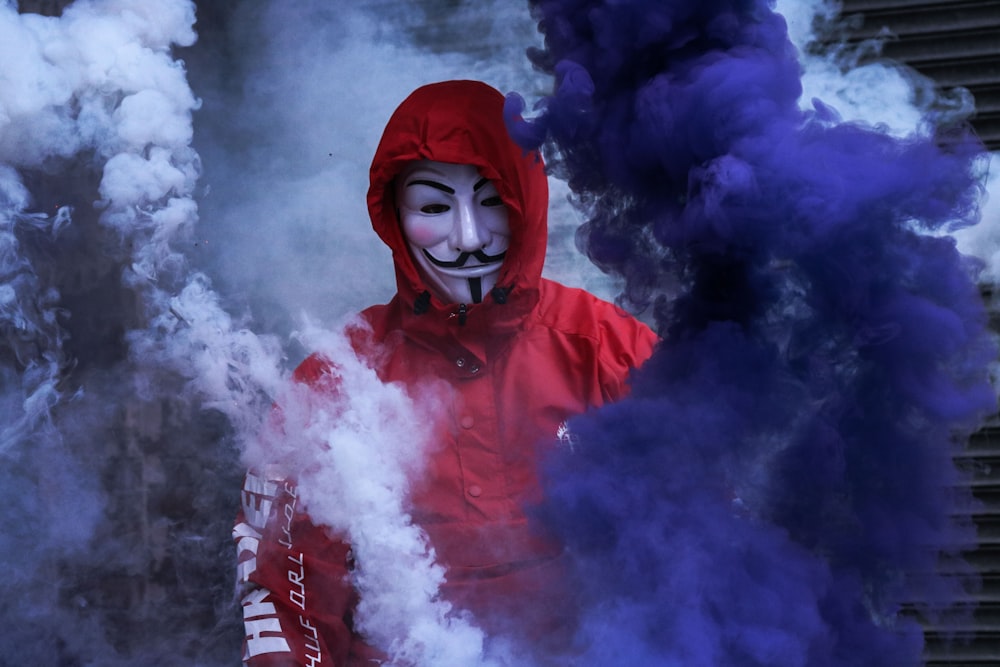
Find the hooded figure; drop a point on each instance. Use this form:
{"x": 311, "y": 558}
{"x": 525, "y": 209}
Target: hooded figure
{"x": 521, "y": 356}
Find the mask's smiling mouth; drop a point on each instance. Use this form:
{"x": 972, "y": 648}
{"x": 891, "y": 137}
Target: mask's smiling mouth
{"x": 464, "y": 257}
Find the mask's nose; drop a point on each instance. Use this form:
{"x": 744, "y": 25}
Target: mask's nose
{"x": 468, "y": 233}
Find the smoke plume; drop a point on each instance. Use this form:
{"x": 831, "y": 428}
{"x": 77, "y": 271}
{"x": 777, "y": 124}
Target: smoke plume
{"x": 788, "y": 448}
{"x": 138, "y": 363}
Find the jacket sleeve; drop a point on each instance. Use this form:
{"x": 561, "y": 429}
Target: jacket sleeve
{"x": 294, "y": 581}
{"x": 625, "y": 344}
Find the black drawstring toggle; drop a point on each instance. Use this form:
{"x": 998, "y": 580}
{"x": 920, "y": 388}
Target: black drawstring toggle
{"x": 500, "y": 294}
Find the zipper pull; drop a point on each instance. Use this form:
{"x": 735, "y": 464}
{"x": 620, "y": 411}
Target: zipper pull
{"x": 462, "y": 313}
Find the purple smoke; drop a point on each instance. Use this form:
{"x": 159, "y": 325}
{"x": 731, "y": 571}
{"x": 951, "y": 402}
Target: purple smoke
{"x": 780, "y": 483}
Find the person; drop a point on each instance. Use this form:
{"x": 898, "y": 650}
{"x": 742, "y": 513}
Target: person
{"x": 463, "y": 209}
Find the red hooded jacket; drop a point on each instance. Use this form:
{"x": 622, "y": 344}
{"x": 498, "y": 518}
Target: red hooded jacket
{"x": 532, "y": 354}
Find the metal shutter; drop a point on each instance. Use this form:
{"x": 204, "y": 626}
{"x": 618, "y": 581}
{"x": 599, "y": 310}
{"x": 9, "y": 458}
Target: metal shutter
{"x": 956, "y": 43}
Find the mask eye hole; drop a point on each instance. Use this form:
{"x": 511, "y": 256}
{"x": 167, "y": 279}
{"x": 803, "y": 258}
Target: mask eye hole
{"x": 434, "y": 209}
{"x": 492, "y": 201}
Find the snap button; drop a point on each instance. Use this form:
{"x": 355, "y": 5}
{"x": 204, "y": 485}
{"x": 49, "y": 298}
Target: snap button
{"x": 474, "y": 369}
{"x": 467, "y": 421}
{"x": 460, "y": 362}
{"x": 475, "y": 491}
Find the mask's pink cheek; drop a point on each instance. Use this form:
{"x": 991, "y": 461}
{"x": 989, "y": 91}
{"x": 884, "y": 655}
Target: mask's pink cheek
{"x": 423, "y": 232}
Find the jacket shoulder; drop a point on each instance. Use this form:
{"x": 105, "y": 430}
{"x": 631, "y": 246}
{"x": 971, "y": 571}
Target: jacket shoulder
{"x": 618, "y": 341}
{"x": 366, "y": 336}
{"x": 576, "y": 311}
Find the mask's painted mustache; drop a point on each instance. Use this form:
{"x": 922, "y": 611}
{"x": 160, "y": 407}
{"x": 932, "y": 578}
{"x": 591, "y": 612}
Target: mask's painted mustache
{"x": 464, "y": 257}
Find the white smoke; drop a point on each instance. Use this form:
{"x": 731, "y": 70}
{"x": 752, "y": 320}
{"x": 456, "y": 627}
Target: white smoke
{"x": 99, "y": 91}
{"x": 893, "y": 97}
{"x": 354, "y": 453}
{"x": 983, "y": 240}
{"x": 92, "y": 107}
{"x": 859, "y": 84}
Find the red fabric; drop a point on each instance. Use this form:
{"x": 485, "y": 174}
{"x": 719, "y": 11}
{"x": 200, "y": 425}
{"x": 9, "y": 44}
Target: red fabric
{"x": 518, "y": 366}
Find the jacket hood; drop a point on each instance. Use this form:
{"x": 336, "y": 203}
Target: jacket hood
{"x": 462, "y": 122}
